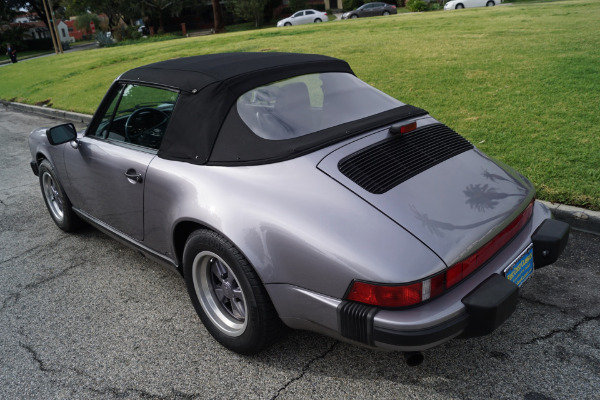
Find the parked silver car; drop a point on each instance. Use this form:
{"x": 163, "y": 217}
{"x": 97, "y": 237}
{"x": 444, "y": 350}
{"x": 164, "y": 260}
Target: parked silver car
{"x": 458, "y": 4}
{"x": 371, "y": 10}
{"x": 288, "y": 192}
{"x": 304, "y": 17}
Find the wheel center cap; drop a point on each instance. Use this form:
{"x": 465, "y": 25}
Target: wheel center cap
{"x": 227, "y": 290}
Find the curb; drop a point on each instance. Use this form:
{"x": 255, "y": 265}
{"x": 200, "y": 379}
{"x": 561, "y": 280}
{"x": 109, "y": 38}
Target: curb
{"x": 49, "y": 112}
{"x": 578, "y": 218}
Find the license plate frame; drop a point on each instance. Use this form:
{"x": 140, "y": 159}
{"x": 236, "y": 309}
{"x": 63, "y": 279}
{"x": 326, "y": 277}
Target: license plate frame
{"x": 521, "y": 268}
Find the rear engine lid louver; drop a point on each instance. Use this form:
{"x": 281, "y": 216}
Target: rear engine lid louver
{"x": 386, "y": 164}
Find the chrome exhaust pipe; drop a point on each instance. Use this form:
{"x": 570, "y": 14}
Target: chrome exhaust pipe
{"x": 413, "y": 358}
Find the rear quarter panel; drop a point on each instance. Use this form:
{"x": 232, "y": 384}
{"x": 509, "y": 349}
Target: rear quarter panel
{"x": 293, "y": 223}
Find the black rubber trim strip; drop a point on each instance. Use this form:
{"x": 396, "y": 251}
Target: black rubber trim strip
{"x": 422, "y": 337}
{"x": 355, "y": 321}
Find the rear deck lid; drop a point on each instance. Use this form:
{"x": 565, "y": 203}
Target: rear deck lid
{"x": 433, "y": 183}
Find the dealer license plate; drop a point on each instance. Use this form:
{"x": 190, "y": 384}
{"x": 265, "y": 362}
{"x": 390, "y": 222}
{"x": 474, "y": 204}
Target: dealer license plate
{"x": 520, "y": 269}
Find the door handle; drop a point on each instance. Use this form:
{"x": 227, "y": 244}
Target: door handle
{"x": 133, "y": 175}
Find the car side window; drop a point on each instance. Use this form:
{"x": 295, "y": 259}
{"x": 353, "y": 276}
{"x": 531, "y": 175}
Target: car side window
{"x": 102, "y": 128}
{"x": 137, "y": 114}
{"x": 310, "y": 12}
{"x": 298, "y": 14}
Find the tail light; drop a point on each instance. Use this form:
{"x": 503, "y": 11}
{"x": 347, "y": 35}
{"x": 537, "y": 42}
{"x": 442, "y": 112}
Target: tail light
{"x": 403, "y": 295}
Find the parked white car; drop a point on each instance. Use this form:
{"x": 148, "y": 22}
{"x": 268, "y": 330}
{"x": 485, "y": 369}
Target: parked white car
{"x": 304, "y": 17}
{"x": 458, "y": 4}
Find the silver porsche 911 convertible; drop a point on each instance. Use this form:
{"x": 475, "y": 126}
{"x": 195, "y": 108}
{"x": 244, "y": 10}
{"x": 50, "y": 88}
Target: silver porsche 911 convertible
{"x": 288, "y": 192}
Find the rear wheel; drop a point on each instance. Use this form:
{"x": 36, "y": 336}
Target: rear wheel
{"x": 56, "y": 200}
{"x": 386, "y": 13}
{"x": 228, "y": 295}
{"x": 490, "y": 4}
{"x": 318, "y": 20}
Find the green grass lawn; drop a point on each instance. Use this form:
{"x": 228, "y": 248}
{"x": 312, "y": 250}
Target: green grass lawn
{"x": 521, "y": 81}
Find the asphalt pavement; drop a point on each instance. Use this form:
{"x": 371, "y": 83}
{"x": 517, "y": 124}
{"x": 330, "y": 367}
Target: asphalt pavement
{"x": 82, "y": 316}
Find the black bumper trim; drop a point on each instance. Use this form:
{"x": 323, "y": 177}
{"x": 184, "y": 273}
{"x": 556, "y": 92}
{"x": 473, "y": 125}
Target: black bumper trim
{"x": 355, "y": 321}
{"x": 549, "y": 241}
{"x": 490, "y": 304}
{"x": 422, "y": 337}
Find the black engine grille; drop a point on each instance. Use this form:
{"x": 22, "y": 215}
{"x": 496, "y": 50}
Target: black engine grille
{"x": 384, "y": 165}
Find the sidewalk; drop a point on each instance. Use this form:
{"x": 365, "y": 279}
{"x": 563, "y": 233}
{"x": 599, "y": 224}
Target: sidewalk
{"x": 578, "y": 218}
{"x": 86, "y": 46}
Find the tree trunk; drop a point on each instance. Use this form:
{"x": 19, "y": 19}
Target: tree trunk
{"x": 161, "y": 23}
{"x": 218, "y": 17}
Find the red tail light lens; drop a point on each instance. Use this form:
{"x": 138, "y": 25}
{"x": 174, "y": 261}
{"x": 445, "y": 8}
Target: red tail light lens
{"x": 415, "y": 293}
{"x": 386, "y": 296}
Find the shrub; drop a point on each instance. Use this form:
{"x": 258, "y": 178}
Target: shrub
{"x": 416, "y": 5}
{"x": 297, "y": 5}
{"x": 103, "y": 40}
{"x": 352, "y": 4}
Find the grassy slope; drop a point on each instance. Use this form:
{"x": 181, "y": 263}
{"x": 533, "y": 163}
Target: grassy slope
{"x": 521, "y": 81}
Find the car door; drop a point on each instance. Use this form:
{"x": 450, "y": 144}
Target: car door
{"x": 377, "y": 9}
{"x": 309, "y": 16}
{"x": 372, "y": 9}
{"x": 297, "y": 18}
{"x": 107, "y": 167}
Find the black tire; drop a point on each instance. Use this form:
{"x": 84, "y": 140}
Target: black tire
{"x": 490, "y": 4}
{"x": 459, "y": 6}
{"x": 58, "y": 204}
{"x": 287, "y": 24}
{"x": 354, "y": 16}
{"x": 386, "y": 13}
{"x": 317, "y": 20}
{"x": 228, "y": 295}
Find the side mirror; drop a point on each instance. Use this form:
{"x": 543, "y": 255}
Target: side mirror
{"x": 61, "y": 134}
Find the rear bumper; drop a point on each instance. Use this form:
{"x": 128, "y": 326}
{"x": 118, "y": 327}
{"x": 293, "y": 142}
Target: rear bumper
{"x": 475, "y": 307}
{"x": 485, "y": 308}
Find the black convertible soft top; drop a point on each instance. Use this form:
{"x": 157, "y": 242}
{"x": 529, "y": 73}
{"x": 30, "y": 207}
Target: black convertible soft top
{"x": 205, "y": 127}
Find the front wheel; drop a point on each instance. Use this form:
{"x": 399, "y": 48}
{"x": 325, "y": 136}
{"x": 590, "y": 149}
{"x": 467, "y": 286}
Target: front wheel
{"x": 459, "y": 6}
{"x": 490, "y": 4}
{"x": 56, "y": 200}
{"x": 287, "y": 24}
{"x": 354, "y": 16}
{"x": 228, "y": 295}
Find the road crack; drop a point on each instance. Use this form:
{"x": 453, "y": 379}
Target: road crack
{"x": 14, "y": 298}
{"x": 36, "y": 357}
{"x": 124, "y": 393}
{"x": 34, "y": 249}
{"x": 50, "y": 278}
{"x": 571, "y": 330}
{"x": 10, "y": 301}
{"x": 305, "y": 369}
